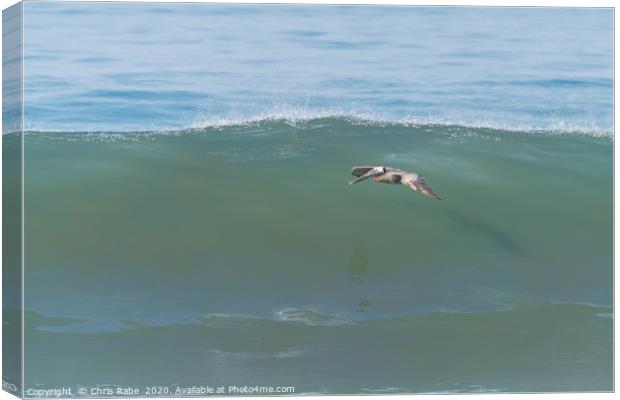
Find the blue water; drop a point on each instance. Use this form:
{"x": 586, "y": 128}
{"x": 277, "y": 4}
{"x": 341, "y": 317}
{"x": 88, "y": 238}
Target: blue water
{"x": 164, "y": 66}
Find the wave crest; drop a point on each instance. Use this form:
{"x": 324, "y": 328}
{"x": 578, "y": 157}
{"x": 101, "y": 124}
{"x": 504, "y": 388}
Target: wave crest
{"x": 301, "y": 119}
{"x": 297, "y": 117}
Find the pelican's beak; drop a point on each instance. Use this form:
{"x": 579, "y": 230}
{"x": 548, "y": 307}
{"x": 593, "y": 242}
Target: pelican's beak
{"x": 361, "y": 178}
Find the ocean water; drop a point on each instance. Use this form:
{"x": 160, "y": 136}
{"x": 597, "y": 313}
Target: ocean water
{"x": 188, "y": 218}
{"x": 171, "y": 66}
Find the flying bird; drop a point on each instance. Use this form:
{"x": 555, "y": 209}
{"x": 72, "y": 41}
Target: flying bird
{"x": 390, "y": 175}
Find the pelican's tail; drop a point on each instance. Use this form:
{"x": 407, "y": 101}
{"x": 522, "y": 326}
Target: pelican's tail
{"x": 429, "y": 192}
{"x": 420, "y": 185}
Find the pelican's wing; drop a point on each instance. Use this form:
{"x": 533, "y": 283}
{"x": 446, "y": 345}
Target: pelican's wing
{"x": 417, "y": 183}
{"x": 359, "y": 171}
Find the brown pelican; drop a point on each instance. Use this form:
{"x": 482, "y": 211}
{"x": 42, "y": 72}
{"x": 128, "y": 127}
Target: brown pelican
{"x": 394, "y": 176}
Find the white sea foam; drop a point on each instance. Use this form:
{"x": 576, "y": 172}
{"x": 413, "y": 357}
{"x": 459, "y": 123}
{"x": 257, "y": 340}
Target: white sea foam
{"x": 309, "y": 316}
{"x": 291, "y": 115}
{"x": 311, "y": 118}
{"x": 298, "y": 115}
{"x": 289, "y": 352}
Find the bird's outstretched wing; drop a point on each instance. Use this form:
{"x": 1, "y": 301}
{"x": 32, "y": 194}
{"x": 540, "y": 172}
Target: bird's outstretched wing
{"x": 359, "y": 171}
{"x": 417, "y": 183}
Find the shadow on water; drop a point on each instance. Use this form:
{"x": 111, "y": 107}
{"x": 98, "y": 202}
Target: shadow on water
{"x": 359, "y": 266}
{"x": 359, "y": 260}
{"x": 500, "y": 237}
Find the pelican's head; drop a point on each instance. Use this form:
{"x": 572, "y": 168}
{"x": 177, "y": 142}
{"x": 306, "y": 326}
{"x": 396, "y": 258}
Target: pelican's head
{"x": 379, "y": 170}
{"x": 374, "y": 172}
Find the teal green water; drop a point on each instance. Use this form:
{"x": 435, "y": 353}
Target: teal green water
{"x": 239, "y": 255}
